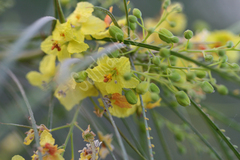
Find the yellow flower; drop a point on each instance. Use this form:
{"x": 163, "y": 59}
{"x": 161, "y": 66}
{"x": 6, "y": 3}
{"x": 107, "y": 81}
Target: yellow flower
{"x": 119, "y": 106}
{"x": 107, "y": 139}
{"x": 71, "y": 93}
{"x": 87, "y": 152}
{"x": 47, "y": 71}
{"x": 82, "y": 17}
{"x": 49, "y": 150}
{"x": 17, "y": 157}
{"x": 147, "y": 101}
{"x": 220, "y": 38}
{"x": 109, "y": 73}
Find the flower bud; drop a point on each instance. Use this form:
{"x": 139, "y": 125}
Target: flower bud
{"x": 229, "y": 44}
{"x": 165, "y": 35}
{"x": 142, "y": 87}
{"x": 188, "y": 34}
{"x": 150, "y": 30}
{"x": 175, "y": 77}
{"x": 174, "y": 39}
{"x": 174, "y": 104}
{"x": 127, "y": 76}
{"x": 155, "y": 97}
{"x": 222, "y": 90}
{"x": 166, "y": 3}
{"x": 172, "y": 24}
{"x": 80, "y": 76}
{"x": 116, "y": 33}
{"x": 131, "y": 97}
{"x": 208, "y": 58}
{"x": 224, "y": 65}
{"x": 133, "y": 26}
{"x": 163, "y": 66}
{"x": 179, "y": 136}
{"x": 154, "y": 88}
{"x": 221, "y": 52}
{"x": 132, "y": 19}
{"x": 114, "y": 54}
{"x": 234, "y": 66}
{"x": 207, "y": 87}
{"x": 224, "y": 58}
{"x": 137, "y": 13}
{"x": 200, "y": 74}
{"x": 156, "y": 61}
{"x": 191, "y": 75}
{"x": 182, "y": 98}
{"x": 164, "y": 52}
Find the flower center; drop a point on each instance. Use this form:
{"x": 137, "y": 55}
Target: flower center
{"x": 56, "y": 45}
{"x": 51, "y": 149}
{"x": 107, "y": 78}
{"x": 78, "y": 16}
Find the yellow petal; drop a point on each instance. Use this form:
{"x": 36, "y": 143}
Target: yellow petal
{"x": 63, "y": 32}
{"x": 93, "y": 25}
{"x": 47, "y": 65}
{"x": 76, "y": 47}
{"x": 17, "y": 157}
{"x": 63, "y": 54}
{"x": 46, "y": 46}
{"x": 46, "y": 137}
{"x": 29, "y": 138}
{"x": 37, "y": 79}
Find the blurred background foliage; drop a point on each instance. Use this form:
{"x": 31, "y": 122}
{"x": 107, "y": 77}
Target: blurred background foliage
{"x": 16, "y": 15}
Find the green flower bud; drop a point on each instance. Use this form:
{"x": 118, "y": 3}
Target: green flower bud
{"x": 164, "y": 52}
{"x": 191, "y": 75}
{"x": 165, "y": 35}
{"x": 229, "y": 44}
{"x": 80, "y": 76}
{"x": 174, "y": 104}
{"x": 142, "y": 87}
{"x": 234, "y": 66}
{"x": 150, "y": 30}
{"x": 133, "y": 26}
{"x": 200, "y": 74}
{"x": 173, "y": 60}
{"x": 222, "y": 90}
{"x": 179, "y": 136}
{"x": 127, "y": 76}
{"x": 114, "y": 54}
{"x": 172, "y": 24}
{"x": 188, "y": 34}
{"x": 182, "y": 149}
{"x": 137, "y": 13}
{"x": 163, "y": 66}
{"x": 175, "y": 77}
{"x": 156, "y": 61}
{"x": 132, "y": 18}
{"x": 155, "y": 97}
{"x": 116, "y": 33}
{"x": 208, "y": 58}
{"x": 166, "y": 3}
{"x": 154, "y": 88}
{"x": 224, "y": 59}
{"x": 174, "y": 39}
{"x": 131, "y": 97}
{"x": 182, "y": 98}
{"x": 224, "y": 65}
{"x": 207, "y": 87}
{"x": 221, "y": 52}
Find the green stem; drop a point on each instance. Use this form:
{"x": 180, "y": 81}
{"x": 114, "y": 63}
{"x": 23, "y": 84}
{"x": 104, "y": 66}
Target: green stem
{"x": 55, "y": 14}
{"x": 79, "y": 127}
{"x": 71, "y": 127}
{"x": 59, "y": 10}
{"x": 72, "y": 146}
{"x": 214, "y": 126}
{"x": 116, "y": 130}
{"x": 50, "y": 112}
{"x": 126, "y": 13}
{"x": 16, "y": 125}
{"x": 61, "y": 127}
{"x": 160, "y": 135}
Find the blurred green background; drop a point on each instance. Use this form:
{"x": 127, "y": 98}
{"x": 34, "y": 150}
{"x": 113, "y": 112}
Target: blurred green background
{"x": 219, "y": 14}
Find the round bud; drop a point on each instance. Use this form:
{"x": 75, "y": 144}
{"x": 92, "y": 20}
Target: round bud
{"x": 150, "y": 30}
{"x": 165, "y": 35}
{"x": 80, "y": 76}
{"x": 175, "y": 77}
{"x": 155, "y": 97}
{"x": 174, "y": 39}
{"x": 188, "y": 34}
{"x": 174, "y": 104}
{"x": 224, "y": 65}
{"x": 154, "y": 88}
{"x": 208, "y": 58}
{"x": 172, "y": 24}
{"x": 142, "y": 87}
{"x": 182, "y": 149}
{"x": 127, "y": 76}
{"x": 224, "y": 58}
{"x": 131, "y": 97}
{"x": 166, "y": 3}
{"x": 234, "y": 66}
{"x": 182, "y": 98}
{"x": 116, "y": 33}
{"x": 137, "y": 13}
{"x": 229, "y": 44}
{"x": 164, "y": 52}
{"x": 179, "y": 136}
{"x": 163, "y": 66}
{"x": 207, "y": 87}
{"x": 200, "y": 74}
{"x": 133, "y": 26}
{"x": 132, "y": 19}
{"x": 222, "y": 90}
{"x": 156, "y": 61}
{"x": 114, "y": 54}
{"x": 173, "y": 58}
{"x": 190, "y": 75}
{"x": 221, "y": 52}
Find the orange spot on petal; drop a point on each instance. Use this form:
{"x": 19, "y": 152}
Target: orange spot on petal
{"x": 107, "y": 19}
{"x": 120, "y": 101}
